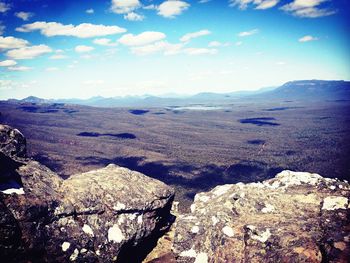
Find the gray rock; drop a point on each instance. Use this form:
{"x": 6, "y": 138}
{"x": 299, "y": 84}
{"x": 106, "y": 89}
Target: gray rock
{"x": 295, "y": 217}
{"x": 110, "y": 214}
{"x": 12, "y": 142}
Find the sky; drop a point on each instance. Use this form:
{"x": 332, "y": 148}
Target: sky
{"x": 85, "y": 48}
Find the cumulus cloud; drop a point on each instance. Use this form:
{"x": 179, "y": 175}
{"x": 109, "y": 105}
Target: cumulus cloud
{"x": 163, "y": 47}
{"x": 172, "y": 8}
{"x": 104, "y": 42}
{"x": 4, "y": 7}
{"x": 133, "y": 17}
{"x": 83, "y": 49}
{"x": 200, "y": 51}
{"x": 307, "y": 38}
{"x": 124, "y": 6}
{"x": 19, "y": 68}
{"x": 266, "y": 4}
{"x": 190, "y": 36}
{"x": 7, "y": 63}
{"x": 90, "y": 11}
{"x": 144, "y": 38}
{"x": 84, "y": 30}
{"x": 24, "y": 15}
{"x": 58, "y": 56}
{"x": 28, "y": 52}
{"x": 258, "y": 4}
{"x": 218, "y": 44}
{"x": 12, "y": 42}
{"x": 308, "y": 8}
{"x": 248, "y": 33}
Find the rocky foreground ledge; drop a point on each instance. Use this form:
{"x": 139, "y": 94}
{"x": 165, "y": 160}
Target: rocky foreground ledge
{"x": 110, "y": 214}
{"x": 295, "y": 217}
{"x": 114, "y": 214}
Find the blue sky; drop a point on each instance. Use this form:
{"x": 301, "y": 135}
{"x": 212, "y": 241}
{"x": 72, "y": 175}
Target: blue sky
{"x": 84, "y": 48}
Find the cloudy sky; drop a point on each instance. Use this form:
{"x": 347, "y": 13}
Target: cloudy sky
{"x": 84, "y": 48}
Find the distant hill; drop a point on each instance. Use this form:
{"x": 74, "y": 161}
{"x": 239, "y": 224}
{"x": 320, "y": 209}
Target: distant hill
{"x": 316, "y": 90}
{"x": 310, "y": 90}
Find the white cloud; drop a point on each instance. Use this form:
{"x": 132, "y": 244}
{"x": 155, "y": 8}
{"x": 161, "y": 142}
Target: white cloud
{"x": 239, "y": 43}
{"x": 19, "y": 68}
{"x": 172, "y": 8}
{"x": 267, "y": 4}
{"x": 307, "y": 38}
{"x": 144, "y": 38}
{"x": 190, "y": 36}
{"x": 248, "y": 33}
{"x": 7, "y": 63}
{"x": 124, "y": 6}
{"x": 90, "y": 11}
{"x": 162, "y": 46}
{"x": 308, "y": 8}
{"x": 24, "y": 15}
{"x": 50, "y": 69}
{"x": 150, "y": 7}
{"x": 12, "y": 42}
{"x": 200, "y": 51}
{"x": 203, "y": 1}
{"x": 28, "y": 52}
{"x": 58, "y": 56}
{"x": 259, "y": 4}
{"x": 133, "y": 17}
{"x": 4, "y": 7}
{"x": 85, "y": 30}
{"x": 104, "y": 42}
{"x": 83, "y": 49}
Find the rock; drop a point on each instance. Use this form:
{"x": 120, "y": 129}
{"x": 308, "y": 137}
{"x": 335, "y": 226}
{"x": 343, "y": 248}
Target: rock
{"x": 110, "y": 214}
{"x": 294, "y": 217}
{"x": 12, "y": 142}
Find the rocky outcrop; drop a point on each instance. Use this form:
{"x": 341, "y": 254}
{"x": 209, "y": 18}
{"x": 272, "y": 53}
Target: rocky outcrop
{"x": 110, "y": 214}
{"x": 295, "y": 217}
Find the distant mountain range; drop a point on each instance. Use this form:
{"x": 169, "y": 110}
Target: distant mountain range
{"x": 311, "y": 90}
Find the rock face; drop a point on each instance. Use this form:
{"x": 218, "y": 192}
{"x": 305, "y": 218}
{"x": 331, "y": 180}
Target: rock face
{"x": 295, "y": 217}
{"x": 110, "y": 214}
{"x": 12, "y": 142}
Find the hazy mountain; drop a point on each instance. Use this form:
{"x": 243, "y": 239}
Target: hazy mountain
{"x": 293, "y": 90}
{"x": 310, "y": 90}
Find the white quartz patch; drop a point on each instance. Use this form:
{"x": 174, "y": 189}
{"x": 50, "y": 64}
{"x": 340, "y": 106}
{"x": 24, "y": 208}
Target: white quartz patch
{"x": 74, "y": 255}
{"x": 119, "y": 206}
{"x": 87, "y": 229}
{"x": 195, "y": 229}
{"x": 191, "y": 253}
{"x": 268, "y": 209}
{"x": 65, "y": 246}
{"x": 201, "y": 258}
{"x": 18, "y": 191}
{"x": 335, "y": 202}
{"x": 115, "y": 234}
{"x": 228, "y": 231}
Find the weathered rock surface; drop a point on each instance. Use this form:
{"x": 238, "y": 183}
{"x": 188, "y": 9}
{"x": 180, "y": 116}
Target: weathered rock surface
{"x": 12, "y": 142}
{"x": 295, "y": 217}
{"x": 110, "y": 214}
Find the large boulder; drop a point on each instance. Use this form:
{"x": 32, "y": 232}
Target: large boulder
{"x": 110, "y": 214}
{"x": 294, "y": 217}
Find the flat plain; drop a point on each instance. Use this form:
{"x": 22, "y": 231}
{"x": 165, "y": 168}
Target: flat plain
{"x": 191, "y": 148}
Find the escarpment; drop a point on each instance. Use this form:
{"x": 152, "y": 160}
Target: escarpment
{"x": 114, "y": 214}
